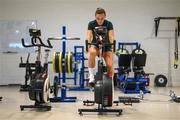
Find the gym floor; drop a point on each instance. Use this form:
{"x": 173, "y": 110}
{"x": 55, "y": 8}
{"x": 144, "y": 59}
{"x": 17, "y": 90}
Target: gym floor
{"x": 155, "y": 106}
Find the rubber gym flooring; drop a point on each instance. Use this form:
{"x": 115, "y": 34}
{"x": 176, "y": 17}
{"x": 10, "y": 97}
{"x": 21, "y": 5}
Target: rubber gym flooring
{"x": 155, "y": 106}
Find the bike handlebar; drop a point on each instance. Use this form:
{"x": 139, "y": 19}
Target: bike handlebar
{"x": 103, "y": 45}
{"x": 35, "y": 43}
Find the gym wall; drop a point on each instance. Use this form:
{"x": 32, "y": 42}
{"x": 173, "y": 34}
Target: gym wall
{"x": 132, "y": 20}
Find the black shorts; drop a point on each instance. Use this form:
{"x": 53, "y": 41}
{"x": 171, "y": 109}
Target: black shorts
{"x": 105, "y": 49}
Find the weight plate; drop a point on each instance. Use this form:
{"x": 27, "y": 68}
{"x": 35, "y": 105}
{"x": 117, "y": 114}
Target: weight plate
{"x": 72, "y": 65}
{"x": 60, "y": 62}
{"x": 55, "y": 86}
{"x": 57, "y": 62}
{"x": 66, "y": 62}
{"x": 53, "y": 62}
{"x": 70, "y": 62}
{"x": 160, "y": 81}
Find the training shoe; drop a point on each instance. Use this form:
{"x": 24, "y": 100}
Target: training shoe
{"x": 91, "y": 81}
{"x": 91, "y": 84}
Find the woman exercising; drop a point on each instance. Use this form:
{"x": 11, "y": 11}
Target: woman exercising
{"x": 100, "y": 20}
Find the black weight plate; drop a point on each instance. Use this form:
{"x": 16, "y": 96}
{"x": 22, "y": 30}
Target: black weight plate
{"x": 63, "y": 62}
{"x": 66, "y": 62}
{"x": 56, "y": 86}
{"x": 160, "y": 81}
{"x": 57, "y": 62}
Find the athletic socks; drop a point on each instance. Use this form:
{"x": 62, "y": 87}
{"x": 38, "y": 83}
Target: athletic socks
{"x": 91, "y": 75}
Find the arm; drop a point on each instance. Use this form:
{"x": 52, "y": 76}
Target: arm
{"x": 90, "y": 32}
{"x": 89, "y": 36}
{"x": 111, "y": 36}
{"x": 111, "y": 32}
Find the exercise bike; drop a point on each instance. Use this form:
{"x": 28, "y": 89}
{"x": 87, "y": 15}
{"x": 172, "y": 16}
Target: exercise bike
{"x": 39, "y": 85}
{"x": 103, "y": 89}
{"x": 29, "y": 68}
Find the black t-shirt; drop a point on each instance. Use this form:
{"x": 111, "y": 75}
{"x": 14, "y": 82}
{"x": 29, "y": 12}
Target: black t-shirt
{"x": 93, "y": 24}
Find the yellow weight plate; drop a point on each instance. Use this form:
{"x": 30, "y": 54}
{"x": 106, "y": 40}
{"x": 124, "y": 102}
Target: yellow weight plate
{"x": 53, "y": 62}
{"x": 60, "y": 62}
{"x": 69, "y": 62}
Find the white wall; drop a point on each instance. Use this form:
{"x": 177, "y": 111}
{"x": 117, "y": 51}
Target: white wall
{"x": 132, "y": 19}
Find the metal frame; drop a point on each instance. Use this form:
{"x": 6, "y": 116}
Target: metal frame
{"x": 40, "y": 106}
{"x": 138, "y": 81}
{"x": 63, "y": 97}
{"x": 38, "y": 69}
{"x": 177, "y": 27}
{"x": 157, "y": 22}
{"x": 102, "y": 108}
{"x": 79, "y": 56}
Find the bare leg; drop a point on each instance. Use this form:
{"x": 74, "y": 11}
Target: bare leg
{"x": 93, "y": 52}
{"x": 108, "y": 57}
